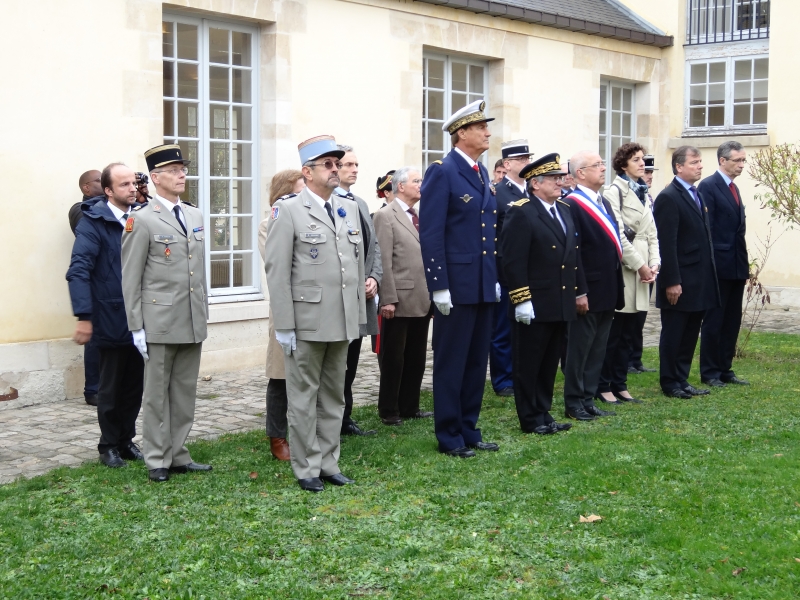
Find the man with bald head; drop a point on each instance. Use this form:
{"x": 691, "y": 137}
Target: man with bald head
{"x": 600, "y": 252}
{"x": 95, "y": 287}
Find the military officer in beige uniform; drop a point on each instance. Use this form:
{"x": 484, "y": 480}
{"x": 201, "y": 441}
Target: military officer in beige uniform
{"x": 315, "y": 274}
{"x": 164, "y": 287}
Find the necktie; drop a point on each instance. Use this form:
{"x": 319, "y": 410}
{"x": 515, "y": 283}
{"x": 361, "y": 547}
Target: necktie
{"x": 696, "y": 197}
{"x": 733, "y": 191}
{"x": 125, "y": 217}
{"x": 414, "y": 218}
{"x": 555, "y": 218}
{"x": 477, "y": 169}
{"x": 177, "y": 212}
{"x": 330, "y": 212}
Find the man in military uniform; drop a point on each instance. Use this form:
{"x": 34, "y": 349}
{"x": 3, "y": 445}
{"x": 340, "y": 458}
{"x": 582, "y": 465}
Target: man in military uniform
{"x": 315, "y": 274}
{"x": 541, "y": 264}
{"x": 509, "y": 189}
{"x": 164, "y": 287}
{"x": 458, "y": 222}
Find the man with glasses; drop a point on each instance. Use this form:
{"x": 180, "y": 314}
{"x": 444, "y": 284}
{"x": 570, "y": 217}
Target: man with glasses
{"x": 315, "y": 273}
{"x": 720, "y": 329}
{"x": 164, "y": 287}
{"x": 541, "y": 267}
{"x": 510, "y": 189}
{"x": 600, "y": 287}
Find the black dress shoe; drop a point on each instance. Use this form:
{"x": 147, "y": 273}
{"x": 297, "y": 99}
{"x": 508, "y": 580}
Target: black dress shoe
{"x": 736, "y": 381}
{"x": 632, "y": 400}
{"x": 544, "y": 429}
{"x": 602, "y": 399}
{"x": 560, "y": 426}
{"x": 487, "y": 446}
{"x": 633, "y": 371}
{"x": 158, "y": 475}
{"x": 131, "y": 452}
{"x": 714, "y": 383}
{"x": 579, "y": 415}
{"x": 677, "y": 393}
{"x": 191, "y": 467}
{"x": 111, "y": 458}
{"x": 693, "y": 391}
{"x": 353, "y": 429}
{"x": 337, "y": 479}
{"x": 462, "y": 452}
{"x": 91, "y": 399}
{"x": 643, "y": 369}
{"x": 506, "y": 391}
{"x": 420, "y": 414}
{"x": 392, "y": 421}
{"x": 312, "y": 484}
{"x": 596, "y": 412}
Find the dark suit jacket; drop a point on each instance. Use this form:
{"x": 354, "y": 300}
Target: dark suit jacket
{"x": 506, "y": 192}
{"x": 540, "y": 262}
{"x": 601, "y": 264}
{"x": 457, "y": 224}
{"x": 687, "y": 255}
{"x": 727, "y": 221}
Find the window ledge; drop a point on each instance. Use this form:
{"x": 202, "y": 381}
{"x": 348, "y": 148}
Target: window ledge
{"x": 238, "y": 311}
{"x": 713, "y": 140}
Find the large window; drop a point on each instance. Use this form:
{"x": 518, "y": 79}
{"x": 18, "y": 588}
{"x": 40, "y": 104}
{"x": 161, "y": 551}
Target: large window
{"x": 449, "y": 83}
{"x": 617, "y": 119}
{"x": 713, "y": 21}
{"x": 210, "y": 83}
{"x": 727, "y": 93}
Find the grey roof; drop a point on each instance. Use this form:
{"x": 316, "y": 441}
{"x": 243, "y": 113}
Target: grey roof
{"x": 606, "y": 18}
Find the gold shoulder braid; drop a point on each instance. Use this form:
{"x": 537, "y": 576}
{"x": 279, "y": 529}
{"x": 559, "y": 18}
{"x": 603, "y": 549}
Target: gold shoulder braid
{"x": 520, "y": 202}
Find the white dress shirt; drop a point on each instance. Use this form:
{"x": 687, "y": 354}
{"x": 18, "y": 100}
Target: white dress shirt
{"x": 405, "y": 208}
{"x": 171, "y": 207}
{"x": 470, "y": 162}
{"x": 120, "y": 215}
{"x": 547, "y": 207}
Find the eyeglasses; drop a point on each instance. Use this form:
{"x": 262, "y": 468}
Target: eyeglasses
{"x": 174, "y": 172}
{"x": 596, "y": 165}
{"x": 738, "y": 161}
{"x": 328, "y": 164}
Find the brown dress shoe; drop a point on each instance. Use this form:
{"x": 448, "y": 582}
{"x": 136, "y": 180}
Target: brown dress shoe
{"x": 279, "y": 447}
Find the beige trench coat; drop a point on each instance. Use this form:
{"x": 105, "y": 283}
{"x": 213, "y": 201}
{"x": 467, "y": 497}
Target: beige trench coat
{"x": 275, "y": 366}
{"x": 644, "y": 248}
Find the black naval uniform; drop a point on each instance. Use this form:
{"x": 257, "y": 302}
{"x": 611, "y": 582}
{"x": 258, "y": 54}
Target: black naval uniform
{"x": 541, "y": 263}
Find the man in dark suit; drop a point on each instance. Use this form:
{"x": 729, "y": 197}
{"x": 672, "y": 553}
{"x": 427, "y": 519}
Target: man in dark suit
{"x": 599, "y": 294}
{"x": 541, "y": 265}
{"x": 687, "y": 284}
{"x": 458, "y": 219}
{"x": 510, "y": 189}
{"x": 720, "y": 329}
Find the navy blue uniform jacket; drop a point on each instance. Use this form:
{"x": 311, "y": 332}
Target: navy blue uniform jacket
{"x": 95, "y": 275}
{"x": 457, "y": 231}
{"x": 727, "y": 222}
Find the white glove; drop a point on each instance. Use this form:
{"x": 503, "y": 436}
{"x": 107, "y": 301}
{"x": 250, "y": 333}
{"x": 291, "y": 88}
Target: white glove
{"x": 140, "y": 341}
{"x": 287, "y": 340}
{"x": 497, "y": 292}
{"x": 523, "y": 312}
{"x": 441, "y": 298}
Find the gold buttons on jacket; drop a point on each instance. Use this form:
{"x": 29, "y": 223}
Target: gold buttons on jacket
{"x": 563, "y": 287}
{"x": 484, "y": 251}
{"x": 495, "y": 251}
{"x": 562, "y": 266}
{"x": 191, "y": 272}
{"x": 190, "y": 256}
{"x": 554, "y": 247}
{"x": 483, "y": 224}
{"x": 191, "y": 289}
{"x": 484, "y": 239}
{"x": 343, "y": 286}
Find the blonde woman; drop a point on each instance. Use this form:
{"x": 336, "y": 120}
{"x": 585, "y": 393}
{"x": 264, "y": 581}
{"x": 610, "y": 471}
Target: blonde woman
{"x": 627, "y": 196}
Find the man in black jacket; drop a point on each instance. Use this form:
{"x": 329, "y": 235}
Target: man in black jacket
{"x": 687, "y": 284}
{"x": 95, "y": 287}
{"x": 721, "y": 325}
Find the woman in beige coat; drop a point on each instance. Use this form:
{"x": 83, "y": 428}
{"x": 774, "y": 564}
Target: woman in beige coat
{"x": 627, "y": 196}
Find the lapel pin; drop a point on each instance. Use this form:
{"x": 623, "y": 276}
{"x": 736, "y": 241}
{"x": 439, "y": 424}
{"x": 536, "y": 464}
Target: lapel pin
{"x": 466, "y": 197}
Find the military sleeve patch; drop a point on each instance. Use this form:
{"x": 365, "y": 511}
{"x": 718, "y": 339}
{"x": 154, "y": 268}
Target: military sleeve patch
{"x": 129, "y": 224}
{"x": 275, "y": 211}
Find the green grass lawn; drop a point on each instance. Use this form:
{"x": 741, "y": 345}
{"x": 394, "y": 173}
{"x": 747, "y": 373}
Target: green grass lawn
{"x": 698, "y": 498}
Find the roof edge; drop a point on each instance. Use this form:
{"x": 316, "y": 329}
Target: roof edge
{"x": 515, "y": 13}
{"x": 631, "y": 14}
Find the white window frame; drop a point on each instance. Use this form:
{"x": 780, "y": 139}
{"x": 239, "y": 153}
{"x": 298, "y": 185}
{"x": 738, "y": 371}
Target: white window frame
{"x": 728, "y": 127}
{"x": 610, "y": 84}
{"x": 694, "y": 9}
{"x": 448, "y": 59}
{"x": 228, "y": 294}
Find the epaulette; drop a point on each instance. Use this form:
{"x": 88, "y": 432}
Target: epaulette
{"x": 140, "y": 206}
{"x": 436, "y": 162}
{"x": 286, "y": 197}
{"x": 348, "y": 196}
{"x": 188, "y": 203}
{"x": 520, "y": 202}
{"x": 562, "y": 202}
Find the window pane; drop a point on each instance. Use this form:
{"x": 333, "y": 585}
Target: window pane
{"x": 626, "y": 126}
{"x": 169, "y": 78}
{"x": 436, "y": 73}
{"x": 716, "y": 116}
{"x": 716, "y": 93}
{"x": 476, "y": 79}
{"x": 241, "y": 160}
{"x": 240, "y": 233}
{"x": 699, "y": 73}
{"x": 221, "y": 239}
{"x": 435, "y": 105}
{"x": 218, "y": 84}
{"x": 218, "y": 160}
{"x": 457, "y": 101}
{"x": 167, "y": 39}
{"x": 616, "y": 124}
{"x": 218, "y": 116}
{"x": 189, "y": 152}
{"x": 603, "y": 147}
{"x": 743, "y": 69}
{"x": 169, "y": 118}
{"x": 242, "y": 196}
{"x": 602, "y": 122}
{"x": 697, "y": 117}
{"x": 220, "y": 201}
{"x": 241, "y": 49}
{"x": 187, "y": 41}
{"x": 616, "y": 98}
{"x": 241, "y": 125}
{"x": 218, "y": 46}
{"x": 187, "y": 81}
{"x": 459, "y": 77}
{"x": 435, "y": 137}
{"x": 760, "y": 114}
{"x": 627, "y": 100}
{"x": 741, "y": 114}
{"x": 220, "y": 272}
{"x": 741, "y": 91}
{"x": 760, "y": 91}
{"x": 242, "y": 268}
{"x": 191, "y": 194}
{"x": 761, "y": 68}
{"x": 241, "y": 85}
{"x": 716, "y": 72}
{"x": 697, "y": 94}
{"x": 187, "y": 119}
{"x": 603, "y": 95}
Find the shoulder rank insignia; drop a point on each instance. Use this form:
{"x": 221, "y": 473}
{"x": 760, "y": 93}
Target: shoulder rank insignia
{"x": 562, "y": 202}
{"x": 520, "y": 202}
{"x": 286, "y": 197}
{"x": 466, "y": 197}
{"x": 139, "y": 207}
{"x": 436, "y": 162}
{"x": 188, "y": 203}
{"x": 129, "y": 224}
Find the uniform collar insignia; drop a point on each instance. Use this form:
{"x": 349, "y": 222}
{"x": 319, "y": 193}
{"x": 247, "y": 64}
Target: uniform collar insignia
{"x": 466, "y": 197}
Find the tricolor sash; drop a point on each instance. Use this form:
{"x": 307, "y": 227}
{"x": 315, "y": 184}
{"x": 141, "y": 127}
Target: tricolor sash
{"x": 599, "y": 216}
